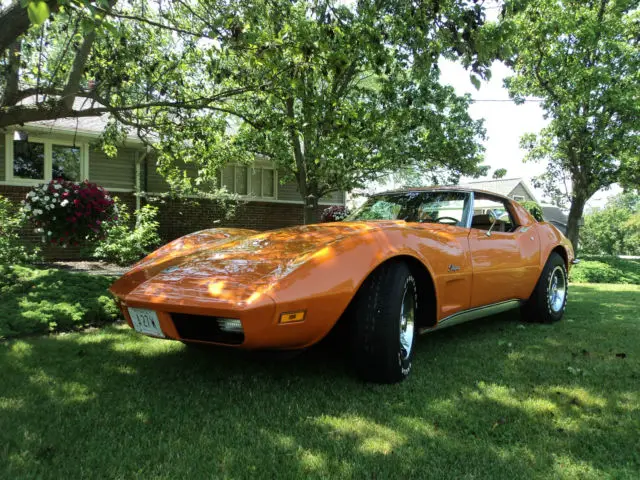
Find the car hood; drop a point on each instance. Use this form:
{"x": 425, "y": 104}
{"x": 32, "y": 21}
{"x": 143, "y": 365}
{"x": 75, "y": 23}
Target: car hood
{"x": 231, "y": 264}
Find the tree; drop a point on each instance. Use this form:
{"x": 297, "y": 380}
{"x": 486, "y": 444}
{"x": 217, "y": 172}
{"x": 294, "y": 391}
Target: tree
{"x": 534, "y": 209}
{"x": 614, "y": 230}
{"x": 334, "y": 95}
{"x": 499, "y": 173}
{"x": 581, "y": 58}
{"x": 138, "y": 60}
{"x": 355, "y": 92}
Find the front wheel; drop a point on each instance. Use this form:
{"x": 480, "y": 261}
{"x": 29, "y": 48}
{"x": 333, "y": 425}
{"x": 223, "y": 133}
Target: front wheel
{"x": 385, "y": 327}
{"x": 549, "y": 299}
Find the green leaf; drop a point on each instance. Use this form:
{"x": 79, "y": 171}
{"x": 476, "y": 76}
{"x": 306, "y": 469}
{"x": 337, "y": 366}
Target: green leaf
{"x": 475, "y": 80}
{"x": 38, "y": 12}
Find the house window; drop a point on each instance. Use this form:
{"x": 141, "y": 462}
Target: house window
{"x": 28, "y": 160}
{"x": 241, "y": 180}
{"x": 518, "y": 198}
{"x": 66, "y": 162}
{"x": 35, "y": 160}
{"x": 253, "y": 181}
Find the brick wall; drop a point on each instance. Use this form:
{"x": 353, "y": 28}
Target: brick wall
{"x": 179, "y": 217}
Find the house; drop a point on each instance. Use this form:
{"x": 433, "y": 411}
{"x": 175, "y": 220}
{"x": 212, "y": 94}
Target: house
{"x": 39, "y": 151}
{"x": 555, "y": 215}
{"x": 515, "y": 188}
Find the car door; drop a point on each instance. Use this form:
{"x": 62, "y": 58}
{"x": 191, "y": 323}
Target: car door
{"x": 505, "y": 260}
{"x": 446, "y": 214}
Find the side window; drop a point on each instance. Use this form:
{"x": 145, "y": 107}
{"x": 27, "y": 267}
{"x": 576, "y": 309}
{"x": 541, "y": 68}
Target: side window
{"x": 447, "y": 209}
{"x": 481, "y": 221}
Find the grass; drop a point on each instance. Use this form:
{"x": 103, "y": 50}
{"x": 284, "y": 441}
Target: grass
{"x": 34, "y": 300}
{"x": 606, "y": 269}
{"x": 489, "y": 399}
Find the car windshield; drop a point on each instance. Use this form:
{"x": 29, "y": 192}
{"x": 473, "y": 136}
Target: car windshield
{"x": 423, "y": 207}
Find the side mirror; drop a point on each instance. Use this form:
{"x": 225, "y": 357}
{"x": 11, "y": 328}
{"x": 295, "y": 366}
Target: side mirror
{"x": 493, "y": 217}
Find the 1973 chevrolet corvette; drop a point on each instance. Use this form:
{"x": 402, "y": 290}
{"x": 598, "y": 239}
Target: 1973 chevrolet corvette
{"x": 406, "y": 262}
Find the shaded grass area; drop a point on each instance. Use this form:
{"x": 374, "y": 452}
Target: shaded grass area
{"x": 489, "y": 399}
{"x": 34, "y": 300}
{"x": 606, "y": 269}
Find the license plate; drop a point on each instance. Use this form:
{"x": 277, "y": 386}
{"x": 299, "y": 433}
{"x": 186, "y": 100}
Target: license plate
{"x": 146, "y": 321}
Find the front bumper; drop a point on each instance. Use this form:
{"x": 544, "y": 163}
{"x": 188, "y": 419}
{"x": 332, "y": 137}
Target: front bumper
{"x": 260, "y": 325}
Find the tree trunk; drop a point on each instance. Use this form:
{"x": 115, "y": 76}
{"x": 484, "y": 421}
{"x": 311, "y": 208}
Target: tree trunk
{"x": 575, "y": 214}
{"x": 310, "y": 210}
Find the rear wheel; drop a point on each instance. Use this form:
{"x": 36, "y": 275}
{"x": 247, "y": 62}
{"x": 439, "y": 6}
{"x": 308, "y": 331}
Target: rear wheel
{"x": 549, "y": 299}
{"x": 385, "y": 327}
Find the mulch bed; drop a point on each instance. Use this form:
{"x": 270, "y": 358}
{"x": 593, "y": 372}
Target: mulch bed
{"x": 89, "y": 267}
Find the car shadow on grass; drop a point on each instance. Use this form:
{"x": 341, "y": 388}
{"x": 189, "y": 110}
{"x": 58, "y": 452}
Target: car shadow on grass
{"x": 489, "y": 399}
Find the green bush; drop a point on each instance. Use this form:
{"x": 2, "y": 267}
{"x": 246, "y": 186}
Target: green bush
{"x": 125, "y": 244}
{"x": 40, "y": 301}
{"x": 606, "y": 270}
{"x": 12, "y": 249}
{"x": 534, "y": 209}
{"x": 614, "y": 230}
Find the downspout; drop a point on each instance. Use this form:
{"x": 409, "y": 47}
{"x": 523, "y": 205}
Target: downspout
{"x": 137, "y": 186}
{"x": 139, "y": 160}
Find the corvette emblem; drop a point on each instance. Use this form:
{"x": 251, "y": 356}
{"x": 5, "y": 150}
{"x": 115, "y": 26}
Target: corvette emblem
{"x": 453, "y": 268}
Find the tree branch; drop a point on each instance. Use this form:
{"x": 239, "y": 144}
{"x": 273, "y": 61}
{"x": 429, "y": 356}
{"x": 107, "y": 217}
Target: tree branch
{"x": 153, "y": 23}
{"x": 20, "y": 114}
{"x": 243, "y": 117}
{"x": 11, "y": 87}
{"x": 544, "y": 83}
{"x": 15, "y": 22}
{"x": 77, "y": 69}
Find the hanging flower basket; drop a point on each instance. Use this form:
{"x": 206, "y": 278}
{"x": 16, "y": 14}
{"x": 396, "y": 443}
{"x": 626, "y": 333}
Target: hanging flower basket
{"x": 335, "y": 213}
{"x": 68, "y": 213}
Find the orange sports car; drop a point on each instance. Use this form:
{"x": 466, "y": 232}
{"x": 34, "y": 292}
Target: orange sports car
{"x": 406, "y": 262}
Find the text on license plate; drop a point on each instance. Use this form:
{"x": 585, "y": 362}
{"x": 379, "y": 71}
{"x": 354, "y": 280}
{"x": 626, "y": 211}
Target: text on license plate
{"x": 146, "y": 321}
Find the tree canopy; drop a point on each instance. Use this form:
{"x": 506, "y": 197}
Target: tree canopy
{"x": 582, "y": 59}
{"x": 615, "y": 229}
{"x": 136, "y": 60}
{"x": 354, "y": 93}
{"x": 333, "y": 94}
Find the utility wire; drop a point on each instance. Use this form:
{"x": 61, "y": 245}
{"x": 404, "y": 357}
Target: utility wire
{"x": 532, "y": 100}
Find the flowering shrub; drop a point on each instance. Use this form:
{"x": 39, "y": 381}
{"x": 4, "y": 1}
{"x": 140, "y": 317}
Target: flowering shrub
{"x": 68, "y": 213}
{"x": 335, "y": 213}
{"x": 125, "y": 245}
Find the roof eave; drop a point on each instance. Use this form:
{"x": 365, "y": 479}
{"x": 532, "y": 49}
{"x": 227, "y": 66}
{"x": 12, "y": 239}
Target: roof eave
{"x": 80, "y": 132}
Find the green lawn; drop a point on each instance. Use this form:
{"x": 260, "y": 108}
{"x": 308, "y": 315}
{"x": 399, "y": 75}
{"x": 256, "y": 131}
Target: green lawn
{"x": 487, "y": 400}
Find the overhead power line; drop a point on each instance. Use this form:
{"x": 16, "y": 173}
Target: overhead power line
{"x": 532, "y": 100}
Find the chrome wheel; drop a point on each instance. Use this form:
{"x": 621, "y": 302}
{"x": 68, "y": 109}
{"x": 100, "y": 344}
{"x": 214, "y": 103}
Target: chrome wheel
{"x": 557, "y": 289}
{"x": 407, "y": 317}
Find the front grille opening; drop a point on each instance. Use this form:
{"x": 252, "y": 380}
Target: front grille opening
{"x": 204, "y": 328}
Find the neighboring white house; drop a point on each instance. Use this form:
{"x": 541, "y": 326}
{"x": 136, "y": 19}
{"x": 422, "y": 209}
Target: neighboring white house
{"x": 516, "y": 188}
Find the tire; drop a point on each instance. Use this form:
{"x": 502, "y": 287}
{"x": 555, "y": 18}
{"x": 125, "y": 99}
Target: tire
{"x": 385, "y": 327}
{"x": 549, "y": 299}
